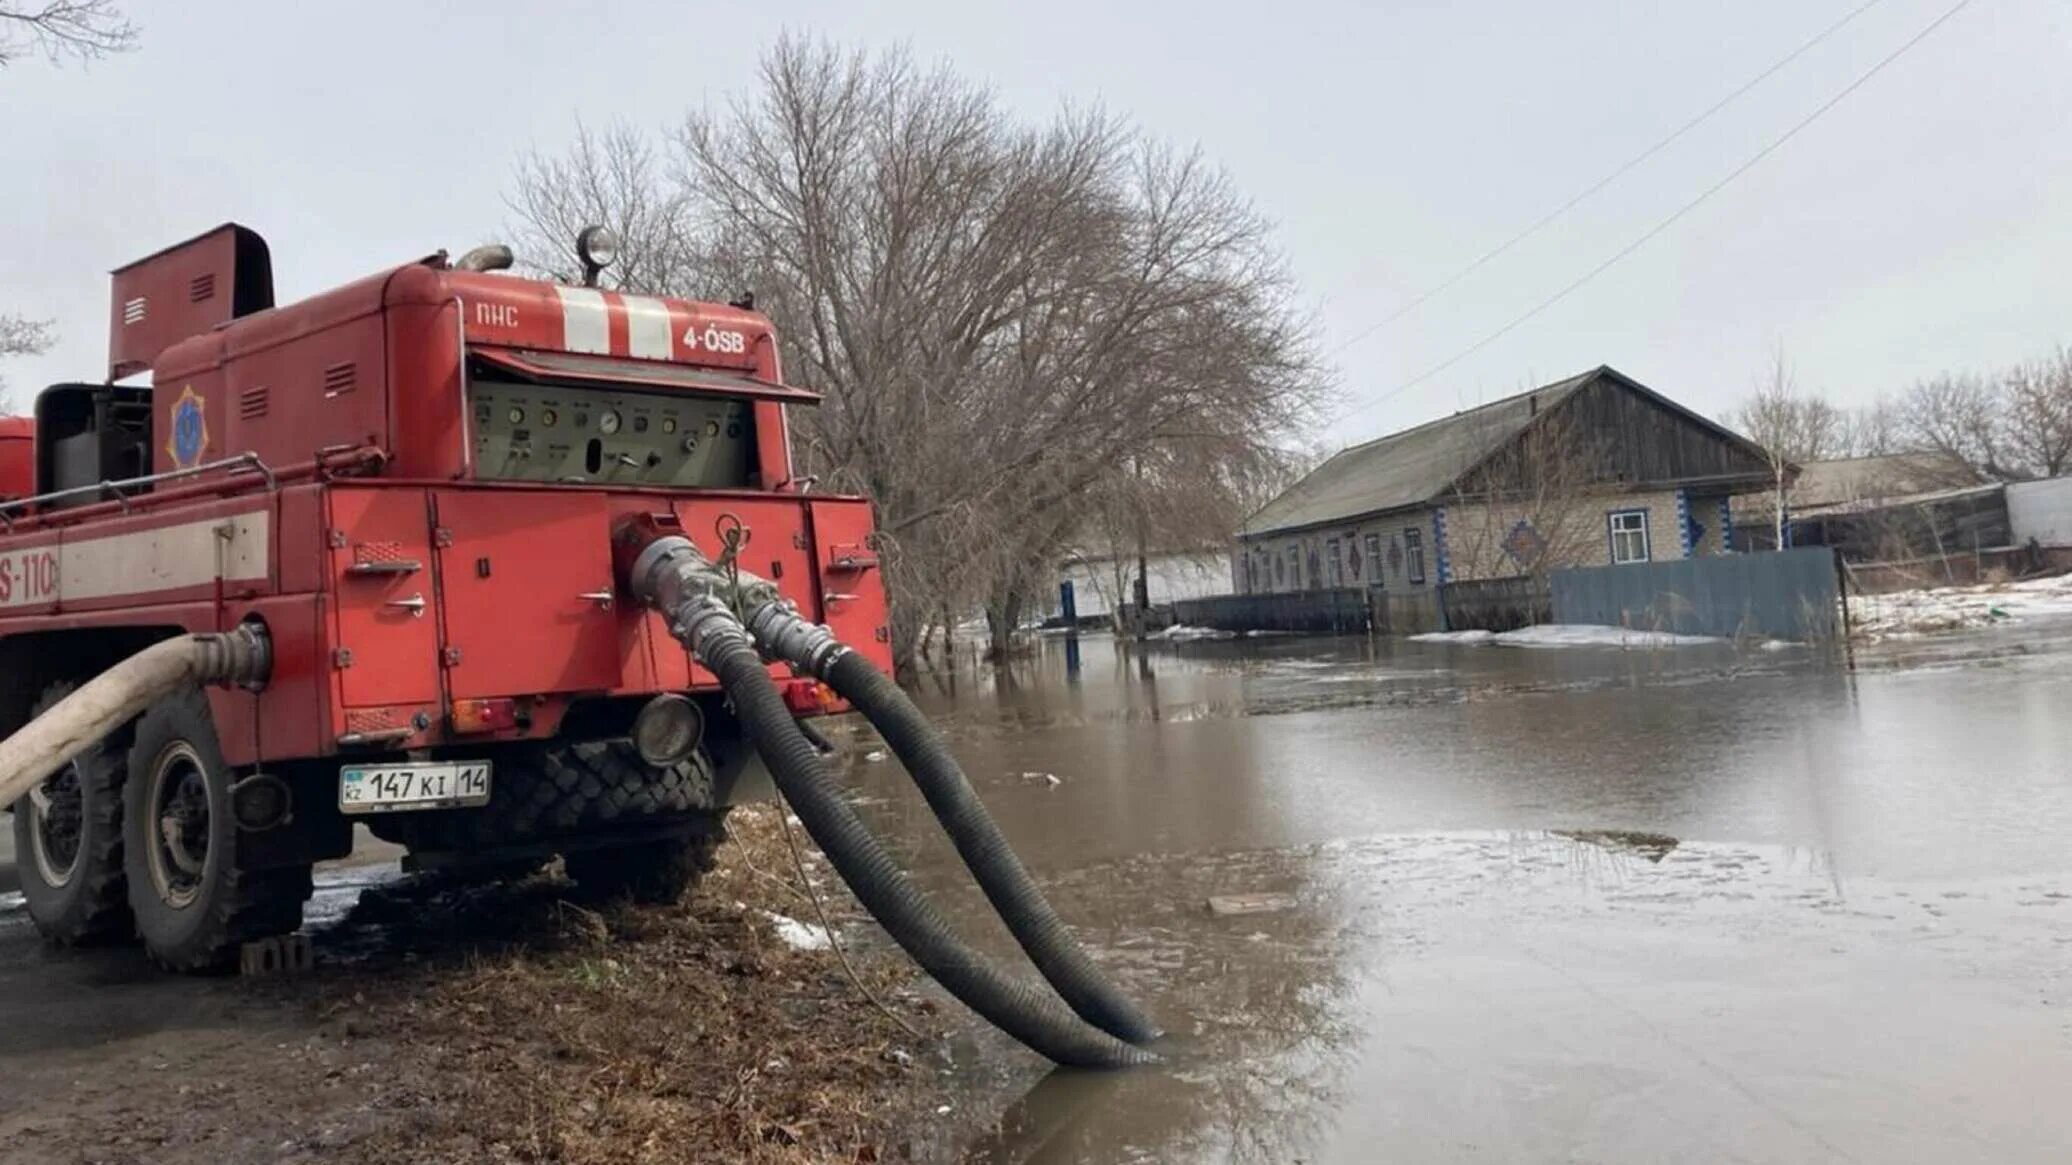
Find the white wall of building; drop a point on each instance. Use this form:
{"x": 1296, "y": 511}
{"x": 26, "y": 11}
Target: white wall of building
{"x": 2041, "y": 510}
{"x": 1172, "y": 576}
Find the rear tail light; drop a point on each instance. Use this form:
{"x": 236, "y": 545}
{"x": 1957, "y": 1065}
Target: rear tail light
{"x": 484, "y": 715}
{"x": 809, "y": 697}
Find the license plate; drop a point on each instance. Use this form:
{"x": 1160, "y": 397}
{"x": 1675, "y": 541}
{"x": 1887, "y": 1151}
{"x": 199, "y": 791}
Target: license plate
{"x": 391, "y": 788}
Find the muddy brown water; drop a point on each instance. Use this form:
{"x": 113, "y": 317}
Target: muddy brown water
{"x": 1573, "y": 905}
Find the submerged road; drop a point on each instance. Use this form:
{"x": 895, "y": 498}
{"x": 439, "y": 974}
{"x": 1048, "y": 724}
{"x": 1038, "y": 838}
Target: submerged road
{"x": 1516, "y": 905}
{"x": 1575, "y": 904}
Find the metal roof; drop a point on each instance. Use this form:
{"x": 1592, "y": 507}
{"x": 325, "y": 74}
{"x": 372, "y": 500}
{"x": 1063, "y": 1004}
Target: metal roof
{"x": 1409, "y": 468}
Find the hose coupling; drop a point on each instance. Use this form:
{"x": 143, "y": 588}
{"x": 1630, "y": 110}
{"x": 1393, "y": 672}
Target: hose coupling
{"x": 243, "y": 656}
{"x": 784, "y": 634}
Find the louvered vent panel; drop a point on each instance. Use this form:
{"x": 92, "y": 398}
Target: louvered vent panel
{"x": 201, "y": 287}
{"x": 340, "y": 378}
{"x": 252, "y": 402}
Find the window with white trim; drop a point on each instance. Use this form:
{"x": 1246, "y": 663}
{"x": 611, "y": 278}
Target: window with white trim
{"x": 1629, "y": 534}
{"x": 1413, "y": 555}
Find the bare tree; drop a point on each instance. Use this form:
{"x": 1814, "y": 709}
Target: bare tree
{"x": 82, "y": 30}
{"x": 609, "y": 178}
{"x": 1002, "y": 317}
{"x": 1791, "y": 427}
{"x": 1959, "y": 418}
{"x": 1531, "y": 506}
{"x": 21, "y": 337}
{"x": 2037, "y": 429}
{"x": 1873, "y": 430}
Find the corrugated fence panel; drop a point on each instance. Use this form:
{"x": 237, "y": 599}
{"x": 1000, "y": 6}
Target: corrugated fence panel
{"x": 1793, "y": 594}
{"x": 1343, "y": 610}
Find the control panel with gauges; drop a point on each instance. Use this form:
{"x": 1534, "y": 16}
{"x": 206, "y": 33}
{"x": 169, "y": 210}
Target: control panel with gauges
{"x": 557, "y": 433}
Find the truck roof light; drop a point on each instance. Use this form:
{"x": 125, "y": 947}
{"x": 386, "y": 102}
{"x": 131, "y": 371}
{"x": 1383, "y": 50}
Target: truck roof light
{"x": 597, "y": 247}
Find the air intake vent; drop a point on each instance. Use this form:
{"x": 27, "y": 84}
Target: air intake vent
{"x": 251, "y": 403}
{"x": 339, "y": 378}
{"x": 133, "y": 310}
{"x": 201, "y": 287}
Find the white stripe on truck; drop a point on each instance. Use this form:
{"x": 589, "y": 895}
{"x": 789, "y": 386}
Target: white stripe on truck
{"x": 586, "y": 322}
{"x": 164, "y": 558}
{"x": 649, "y": 333}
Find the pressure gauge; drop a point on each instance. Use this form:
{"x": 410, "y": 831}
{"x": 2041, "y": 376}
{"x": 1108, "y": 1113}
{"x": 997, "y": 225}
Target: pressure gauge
{"x": 548, "y": 417}
{"x": 517, "y": 415}
{"x": 608, "y": 421}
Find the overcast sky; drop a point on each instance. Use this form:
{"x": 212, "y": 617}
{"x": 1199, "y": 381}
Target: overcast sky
{"x": 1923, "y": 224}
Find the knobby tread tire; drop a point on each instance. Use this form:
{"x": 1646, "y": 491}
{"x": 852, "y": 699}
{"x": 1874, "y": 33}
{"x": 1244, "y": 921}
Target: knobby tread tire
{"x": 654, "y": 873}
{"x": 93, "y": 906}
{"x": 563, "y": 790}
{"x": 235, "y": 906}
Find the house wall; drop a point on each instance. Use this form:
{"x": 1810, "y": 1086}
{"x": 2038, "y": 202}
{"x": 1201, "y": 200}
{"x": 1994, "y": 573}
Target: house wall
{"x": 1475, "y": 537}
{"x": 1172, "y": 577}
{"x": 1389, "y": 562}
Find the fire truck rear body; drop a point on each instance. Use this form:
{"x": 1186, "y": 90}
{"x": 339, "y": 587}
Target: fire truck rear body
{"x": 411, "y": 481}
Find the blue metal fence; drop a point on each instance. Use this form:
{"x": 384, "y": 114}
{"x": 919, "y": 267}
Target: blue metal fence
{"x": 1789, "y": 594}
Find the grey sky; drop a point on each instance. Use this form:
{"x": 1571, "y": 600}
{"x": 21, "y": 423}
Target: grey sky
{"x": 1924, "y": 224}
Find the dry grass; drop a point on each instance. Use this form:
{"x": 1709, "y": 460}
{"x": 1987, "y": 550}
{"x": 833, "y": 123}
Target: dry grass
{"x": 544, "y": 1032}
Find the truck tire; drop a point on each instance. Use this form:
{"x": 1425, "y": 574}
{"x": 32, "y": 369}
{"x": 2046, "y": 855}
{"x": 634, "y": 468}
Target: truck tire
{"x": 68, "y": 842}
{"x": 559, "y": 790}
{"x": 653, "y": 873}
{"x": 194, "y": 906}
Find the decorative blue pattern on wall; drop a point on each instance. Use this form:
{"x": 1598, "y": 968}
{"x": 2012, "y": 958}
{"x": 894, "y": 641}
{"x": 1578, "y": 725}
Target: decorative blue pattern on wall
{"x": 1445, "y": 560}
{"x": 1726, "y": 526}
{"x": 1683, "y": 522}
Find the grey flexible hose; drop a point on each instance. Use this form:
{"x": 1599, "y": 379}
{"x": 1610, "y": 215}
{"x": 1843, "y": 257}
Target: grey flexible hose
{"x": 978, "y": 839}
{"x": 1023, "y": 1011}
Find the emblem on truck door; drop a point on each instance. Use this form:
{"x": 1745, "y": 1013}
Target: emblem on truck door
{"x": 190, "y": 429}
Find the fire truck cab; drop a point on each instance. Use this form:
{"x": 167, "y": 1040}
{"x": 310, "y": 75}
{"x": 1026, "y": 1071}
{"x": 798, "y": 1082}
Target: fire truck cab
{"x": 410, "y": 483}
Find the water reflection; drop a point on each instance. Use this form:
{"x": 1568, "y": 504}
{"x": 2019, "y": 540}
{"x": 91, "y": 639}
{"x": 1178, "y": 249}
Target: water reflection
{"x": 1532, "y": 890}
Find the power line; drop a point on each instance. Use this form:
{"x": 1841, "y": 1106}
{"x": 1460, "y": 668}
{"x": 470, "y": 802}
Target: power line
{"x": 1537, "y": 224}
{"x": 1668, "y": 222}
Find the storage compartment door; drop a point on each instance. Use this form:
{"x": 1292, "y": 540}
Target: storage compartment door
{"x": 526, "y": 593}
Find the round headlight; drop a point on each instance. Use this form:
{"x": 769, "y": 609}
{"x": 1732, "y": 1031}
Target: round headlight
{"x": 597, "y": 246}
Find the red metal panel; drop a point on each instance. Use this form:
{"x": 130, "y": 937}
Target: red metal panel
{"x": 525, "y": 592}
{"x": 301, "y": 562}
{"x": 393, "y": 641}
{"x": 852, "y": 582}
{"x": 288, "y": 717}
{"x": 318, "y": 390}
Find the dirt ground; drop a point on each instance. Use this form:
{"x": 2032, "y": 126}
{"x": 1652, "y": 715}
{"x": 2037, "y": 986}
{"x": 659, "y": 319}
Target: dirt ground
{"x": 449, "y": 1023}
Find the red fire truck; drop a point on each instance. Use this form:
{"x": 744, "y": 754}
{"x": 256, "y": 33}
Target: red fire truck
{"x": 405, "y": 488}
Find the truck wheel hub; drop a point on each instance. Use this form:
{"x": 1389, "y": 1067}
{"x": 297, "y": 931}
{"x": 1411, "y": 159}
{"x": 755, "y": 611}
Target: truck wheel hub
{"x": 180, "y": 845}
{"x": 56, "y": 814}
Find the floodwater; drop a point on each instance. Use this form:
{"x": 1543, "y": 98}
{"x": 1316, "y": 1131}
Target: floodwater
{"x": 1542, "y": 905}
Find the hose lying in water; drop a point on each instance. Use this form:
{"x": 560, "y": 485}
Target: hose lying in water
{"x": 813, "y": 650}
{"x": 120, "y": 694}
{"x": 668, "y": 574}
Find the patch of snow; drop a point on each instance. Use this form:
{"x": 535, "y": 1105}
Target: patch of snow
{"x": 1181, "y": 632}
{"x": 1779, "y": 645}
{"x": 12, "y": 901}
{"x": 875, "y": 755}
{"x": 1454, "y": 637}
{"x": 1569, "y": 635}
{"x": 800, "y": 936}
{"x": 1050, "y": 779}
{"x": 1903, "y": 614}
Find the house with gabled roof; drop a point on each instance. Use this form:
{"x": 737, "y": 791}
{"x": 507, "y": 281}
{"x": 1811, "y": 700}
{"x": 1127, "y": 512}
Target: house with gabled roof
{"x": 1592, "y": 470}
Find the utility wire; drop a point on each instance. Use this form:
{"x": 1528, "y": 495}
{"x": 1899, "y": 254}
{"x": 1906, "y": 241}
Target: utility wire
{"x": 1537, "y": 224}
{"x": 1674, "y": 217}
{"x": 1303, "y": 486}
